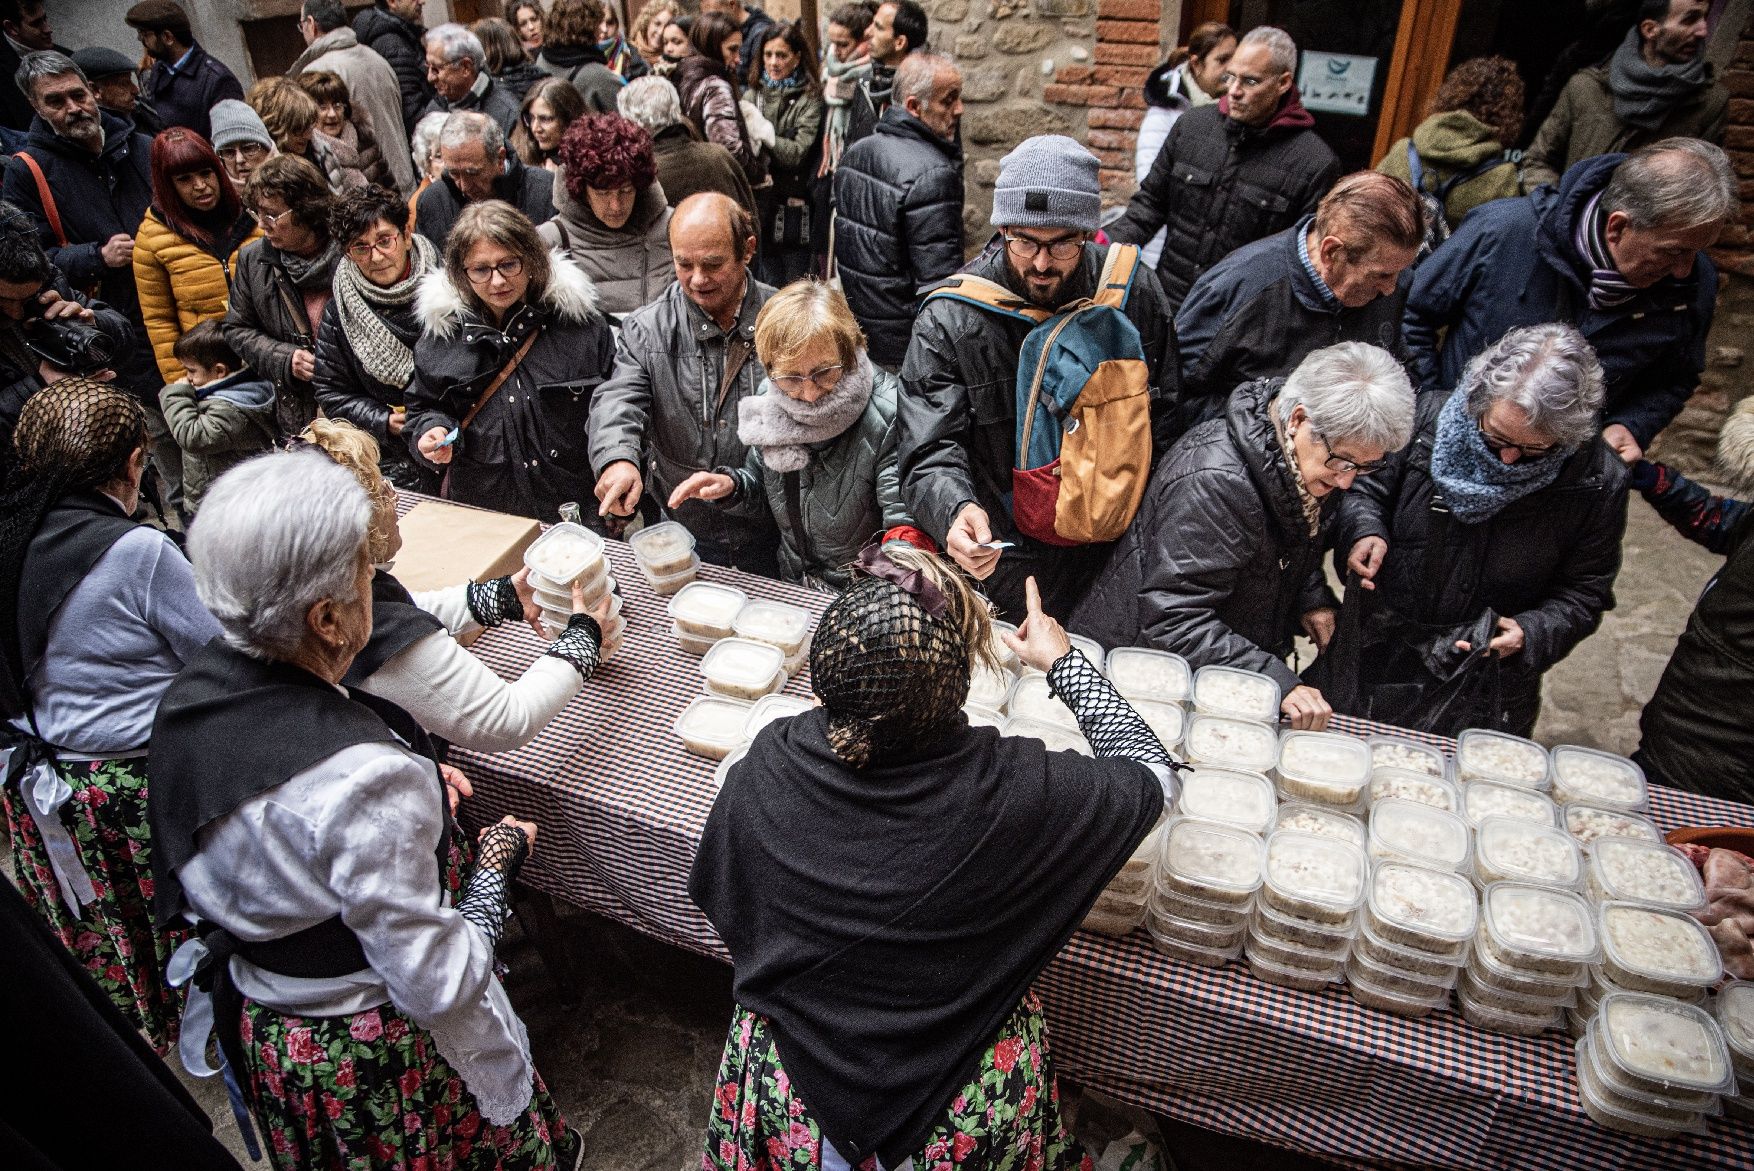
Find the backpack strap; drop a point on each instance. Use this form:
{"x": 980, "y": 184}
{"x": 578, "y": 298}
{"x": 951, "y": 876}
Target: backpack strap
{"x": 990, "y": 295}
{"x": 1115, "y": 284}
{"x": 1415, "y": 171}
{"x": 1473, "y": 172}
{"x": 47, "y": 197}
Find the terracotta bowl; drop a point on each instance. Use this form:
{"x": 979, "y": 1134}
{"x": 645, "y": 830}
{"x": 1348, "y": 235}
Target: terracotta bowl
{"x": 1721, "y": 837}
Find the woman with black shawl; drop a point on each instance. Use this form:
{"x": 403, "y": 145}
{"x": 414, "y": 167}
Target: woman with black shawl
{"x": 97, "y": 616}
{"x": 890, "y": 881}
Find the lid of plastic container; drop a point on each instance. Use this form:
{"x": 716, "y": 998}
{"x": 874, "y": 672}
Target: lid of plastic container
{"x": 1483, "y": 799}
{"x": 742, "y": 663}
{"x": 1419, "y": 833}
{"x": 1237, "y": 798}
{"x": 780, "y": 623}
{"x": 564, "y": 552}
{"x": 1600, "y": 777}
{"x": 1242, "y": 695}
{"x": 706, "y": 603}
{"x": 1671, "y": 946}
{"x": 1542, "y": 922}
{"x": 1091, "y": 648}
{"x": 769, "y": 708}
{"x": 724, "y": 767}
{"x": 1030, "y": 698}
{"x": 1006, "y": 656}
{"x": 988, "y": 688}
{"x": 1630, "y": 870}
{"x": 661, "y": 541}
{"x": 1326, "y": 759}
{"x": 1662, "y": 1040}
{"x": 1558, "y": 989}
{"x": 1734, "y": 1009}
{"x": 1214, "y": 854}
{"x": 1167, "y": 720}
{"x": 1592, "y": 823}
{"x": 1437, "y": 904}
{"x": 714, "y": 719}
{"x": 1315, "y": 869}
{"x": 1499, "y": 756}
{"x": 1525, "y": 852}
{"x": 1143, "y": 673}
{"x": 1399, "y": 784}
{"x": 1240, "y": 744}
{"x": 1403, "y": 753}
{"x": 1305, "y": 818}
{"x": 1057, "y": 737}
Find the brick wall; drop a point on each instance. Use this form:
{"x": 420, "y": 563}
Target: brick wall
{"x": 1111, "y": 87}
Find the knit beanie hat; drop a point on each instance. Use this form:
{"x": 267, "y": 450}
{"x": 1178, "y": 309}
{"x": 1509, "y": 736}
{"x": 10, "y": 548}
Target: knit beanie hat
{"x": 235, "y": 122}
{"x": 1049, "y": 181}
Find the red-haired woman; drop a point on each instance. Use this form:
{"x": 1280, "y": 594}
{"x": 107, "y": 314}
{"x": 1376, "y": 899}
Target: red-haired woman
{"x": 186, "y": 249}
{"x": 611, "y": 217}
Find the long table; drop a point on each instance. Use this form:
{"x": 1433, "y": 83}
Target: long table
{"x": 622, "y": 807}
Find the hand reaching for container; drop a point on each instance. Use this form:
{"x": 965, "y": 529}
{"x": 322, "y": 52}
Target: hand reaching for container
{"x": 619, "y": 488}
{"x": 702, "y": 486}
{"x": 1040, "y": 641}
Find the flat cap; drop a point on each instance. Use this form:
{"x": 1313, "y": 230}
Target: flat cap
{"x": 97, "y": 64}
{"x": 154, "y": 15}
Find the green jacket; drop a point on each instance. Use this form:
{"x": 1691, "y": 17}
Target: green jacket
{"x": 796, "y": 115}
{"x": 1448, "y": 144}
{"x": 218, "y": 430}
{"x": 1582, "y": 125}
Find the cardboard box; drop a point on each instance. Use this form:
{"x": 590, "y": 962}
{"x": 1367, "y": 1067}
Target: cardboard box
{"x": 444, "y": 544}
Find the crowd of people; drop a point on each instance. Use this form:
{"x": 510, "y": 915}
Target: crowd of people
{"x": 684, "y": 265}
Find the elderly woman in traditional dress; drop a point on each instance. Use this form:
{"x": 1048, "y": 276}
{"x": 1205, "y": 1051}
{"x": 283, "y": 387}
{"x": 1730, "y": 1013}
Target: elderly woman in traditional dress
{"x": 304, "y": 825}
{"x": 98, "y": 616}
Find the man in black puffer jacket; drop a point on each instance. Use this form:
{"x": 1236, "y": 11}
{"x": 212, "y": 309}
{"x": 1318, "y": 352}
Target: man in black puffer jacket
{"x": 898, "y": 200}
{"x": 1229, "y": 173}
{"x": 392, "y": 30}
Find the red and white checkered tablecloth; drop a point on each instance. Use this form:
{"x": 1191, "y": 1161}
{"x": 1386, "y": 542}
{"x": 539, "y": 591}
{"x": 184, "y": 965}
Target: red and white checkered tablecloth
{"x": 621, "y": 806}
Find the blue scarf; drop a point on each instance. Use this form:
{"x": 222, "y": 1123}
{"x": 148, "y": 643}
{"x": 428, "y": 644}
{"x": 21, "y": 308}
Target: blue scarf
{"x": 1476, "y": 484}
{"x": 792, "y": 82}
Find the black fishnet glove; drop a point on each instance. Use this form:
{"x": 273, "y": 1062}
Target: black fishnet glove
{"x": 493, "y": 602}
{"x": 580, "y": 644}
{"x": 487, "y": 901}
{"x": 1107, "y": 720}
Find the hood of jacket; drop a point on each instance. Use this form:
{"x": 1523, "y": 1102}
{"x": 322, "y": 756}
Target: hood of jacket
{"x": 691, "y": 71}
{"x": 573, "y": 56}
{"x": 117, "y": 132}
{"x": 1557, "y": 210}
{"x": 1455, "y": 141}
{"x": 332, "y": 41}
{"x": 443, "y": 309}
{"x": 1164, "y": 87}
{"x": 898, "y": 123}
{"x": 244, "y": 390}
{"x": 1248, "y": 418}
{"x": 1291, "y": 115}
{"x": 585, "y": 228}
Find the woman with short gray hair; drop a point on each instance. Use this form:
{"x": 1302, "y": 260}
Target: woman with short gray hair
{"x": 304, "y": 827}
{"x": 1499, "y": 526}
{"x": 1223, "y": 561}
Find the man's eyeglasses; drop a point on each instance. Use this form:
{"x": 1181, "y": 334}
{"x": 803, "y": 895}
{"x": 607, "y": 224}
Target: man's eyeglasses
{"x": 1023, "y": 248}
{"x": 1339, "y": 463}
{"x": 824, "y": 379}
{"x": 1244, "y": 80}
{"x": 248, "y": 151}
{"x": 360, "y": 250}
{"x": 272, "y": 219}
{"x": 481, "y": 274}
{"x": 1499, "y": 446}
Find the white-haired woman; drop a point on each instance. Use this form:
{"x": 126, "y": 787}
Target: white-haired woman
{"x": 1222, "y": 563}
{"x": 1507, "y": 506}
{"x": 304, "y": 827}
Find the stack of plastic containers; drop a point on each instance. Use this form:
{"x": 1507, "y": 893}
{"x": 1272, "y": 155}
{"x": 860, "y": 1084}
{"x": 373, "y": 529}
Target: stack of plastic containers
{"x": 1653, "y": 1067}
{"x": 1532, "y": 952}
{"x": 1307, "y": 909}
{"x": 1734, "y": 1009}
{"x": 1325, "y": 768}
{"x": 1508, "y": 849}
{"x": 1121, "y": 905}
{"x": 779, "y": 623}
{"x": 1156, "y": 683}
{"x": 1205, "y": 880}
{"x": 567, "y": 553}
{"x": 1412, "y": 940}
{"x": 666, "y": 556}
{"x": 1408, "y": 831}
{"x": 703, "y": 612}
{"x": 712, "y": 725}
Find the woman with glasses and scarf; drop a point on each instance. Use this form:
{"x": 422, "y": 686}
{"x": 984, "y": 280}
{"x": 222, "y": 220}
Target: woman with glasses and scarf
{"x": 1223, "y": 561}
{"x": 1505, "y": 514}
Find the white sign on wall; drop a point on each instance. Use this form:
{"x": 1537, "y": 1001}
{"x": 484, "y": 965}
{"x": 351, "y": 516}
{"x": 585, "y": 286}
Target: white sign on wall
{"x": 1336, "y": 83}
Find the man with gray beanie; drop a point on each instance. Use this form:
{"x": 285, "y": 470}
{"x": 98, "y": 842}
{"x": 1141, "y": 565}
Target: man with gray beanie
{"x": 241, "y": 140}
{"x": 959, "y": 404}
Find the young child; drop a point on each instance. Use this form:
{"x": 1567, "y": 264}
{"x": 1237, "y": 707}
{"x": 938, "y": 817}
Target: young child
{"x": 220, "y": 415}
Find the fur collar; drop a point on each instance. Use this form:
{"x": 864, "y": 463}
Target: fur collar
{"x": 441, "y": 306}
{"x": 1735, "y": 446}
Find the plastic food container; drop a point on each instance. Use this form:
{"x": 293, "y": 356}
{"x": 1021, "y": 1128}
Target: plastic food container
{"x": 1134, "y": 877}
{"x": 1480, "y": 1010}
{"x": 1400, "y": 981}
{"x": 1516, "y": 989}
{"x": 1397, "y": 752}
{"x": 1413, "y": 832}
{"x": 1193, "y": 931}
{"x": 1599, "y": 778}
{"x": 1484, "y": 799}
{"x": 1030, "y": 698}
{"x": 1167, "y": 721}
{"x": 1325, "y": 959}
{"x": 742, "y": 669}
{"x": 1275, "y": 925}
{"x": 983, "y": 717}
{"x": 712, "y": 726}
{"x": 1236, "y": 798}
{"x": 1210, "y": 860}
{"x": 1675, "y": 1107}
{"x": 1302, "y": 979}
{"x": 1591, "y": 823}
{"x": 1414, "y": 906}
{"x": 1509, "y": 850}
{"x": 1625, "y": 870}
{"x": 1505, "y": 759}
{"x": 1410, "y": 960}
{"x": 690, "y": 643}
{"x": 1303, "y": 818}
{"x": 1168, "y": 902}
{"x": 783, "y": 625}
{"x": 1610, "y": 1110}
{"x": 1190, "y": 953}
{"x": 1373, "y": 995}
{"x": 1538, "y": 929}
{"x": 769, "y": 708}
{"x": 705, "y": 609}
{"x": 1228, "y": 743}
{"x": 1326, "y": 767}
{"x": 668, "y": 584}
{"x": 1241, "y": 695}
{"x": 663, "y": 549}
{"x": 1398, "y": 784}
{"x": 1142, "y": 673}
{"x": 989, "y": 689}
{"x": 564, "y": 553}
{"x": 1734, "y": 1009}
{"x": 1647, "y": 949}
{"x": 1109, "y": 923}
{"x": 1001, "y": 651}
{"x": 1091, "y": 649}
{"x": 1313, "y": 877}
{"x": 1057, "y": 737}
{"x": 1659, "y": 1046}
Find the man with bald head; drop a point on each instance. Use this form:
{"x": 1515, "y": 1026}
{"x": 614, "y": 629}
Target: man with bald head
{"x": 682, "y": 365}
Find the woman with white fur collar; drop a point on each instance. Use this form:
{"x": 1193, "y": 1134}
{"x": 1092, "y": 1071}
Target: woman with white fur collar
{"x": 506, "y": 315}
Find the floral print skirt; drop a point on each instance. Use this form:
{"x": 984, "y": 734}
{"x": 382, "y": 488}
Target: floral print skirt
{"x": 370, "y": 1091}
{"x": 114, "y": 938}
{"x": 1006, "y": 1119}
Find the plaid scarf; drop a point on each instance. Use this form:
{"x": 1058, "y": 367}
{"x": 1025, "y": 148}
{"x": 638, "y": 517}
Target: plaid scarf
{"x": 1608, "y": 289}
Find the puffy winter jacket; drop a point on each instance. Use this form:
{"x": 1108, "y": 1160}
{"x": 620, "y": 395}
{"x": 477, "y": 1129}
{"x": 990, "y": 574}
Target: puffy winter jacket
{"x": 529, "y": 189}
{"x": 1217, "y": 184}
{"x": 898, "y": 226}
{"x": 1513, "y": 263}
{"x": 1450, "y": 144}
{"x": 267, "y": 323}
{"x": 183, "y": 283}
{"x": 398, "y": 41}
{"x": 709, "y": 102}
{"x": 1548, "y": 560}
{"x": 1583, "y": 125}
{"x": 526, "y": 452}
{"x": 1169, "y": 93}
{"x": 1258, "y": 313}
{"x": 218, "y": 427}
{"x": 629, "y": 265}
{"x": 1218, "y": 565}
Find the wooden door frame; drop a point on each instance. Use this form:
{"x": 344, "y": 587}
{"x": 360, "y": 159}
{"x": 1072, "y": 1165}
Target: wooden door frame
{"x": 1421, "y": 58}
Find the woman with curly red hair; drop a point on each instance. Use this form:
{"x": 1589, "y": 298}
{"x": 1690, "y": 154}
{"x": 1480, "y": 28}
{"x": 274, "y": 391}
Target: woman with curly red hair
{"x": 1475, "y": 115}
{"x": 611, "y": 216}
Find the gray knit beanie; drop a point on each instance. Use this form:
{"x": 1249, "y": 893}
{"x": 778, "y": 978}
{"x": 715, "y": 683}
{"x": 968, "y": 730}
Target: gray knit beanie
{"x": 1049, "y": 181}
{"x": 234, "y": 122}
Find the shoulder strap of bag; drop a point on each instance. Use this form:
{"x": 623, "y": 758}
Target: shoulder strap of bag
{"x": 50, "y": 211}
{"x": 979, "y": 291}
{"x": 499, "y": 380}
{"x": 1415, "y": 170}
{"x": 1115, "y": 283}
{"x": 1460, "y": 177}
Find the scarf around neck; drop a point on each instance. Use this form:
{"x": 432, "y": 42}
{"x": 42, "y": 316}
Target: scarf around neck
{"x": 359, "y": 303}
{"x": 1312, "y": 508}
{"x": 1476, "y": 485}
{"x": 1643, "y": 94}
{"x": 1608, "y": 289}
{"x": 309, "y": 274}
{"x": 783, "y": 429}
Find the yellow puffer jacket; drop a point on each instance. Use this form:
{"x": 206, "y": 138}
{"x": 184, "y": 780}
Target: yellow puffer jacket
{"x": 181, "y": 283}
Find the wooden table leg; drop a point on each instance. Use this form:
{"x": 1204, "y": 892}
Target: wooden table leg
{"x": 536, "y": 909}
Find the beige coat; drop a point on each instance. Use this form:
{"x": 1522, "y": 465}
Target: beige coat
{"x": 373, "y": 89}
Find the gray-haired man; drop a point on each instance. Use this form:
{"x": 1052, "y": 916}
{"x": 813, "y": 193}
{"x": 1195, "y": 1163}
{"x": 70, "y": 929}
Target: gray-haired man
{"x": 456, "y": 65}
{"x": 478, "y": 167}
